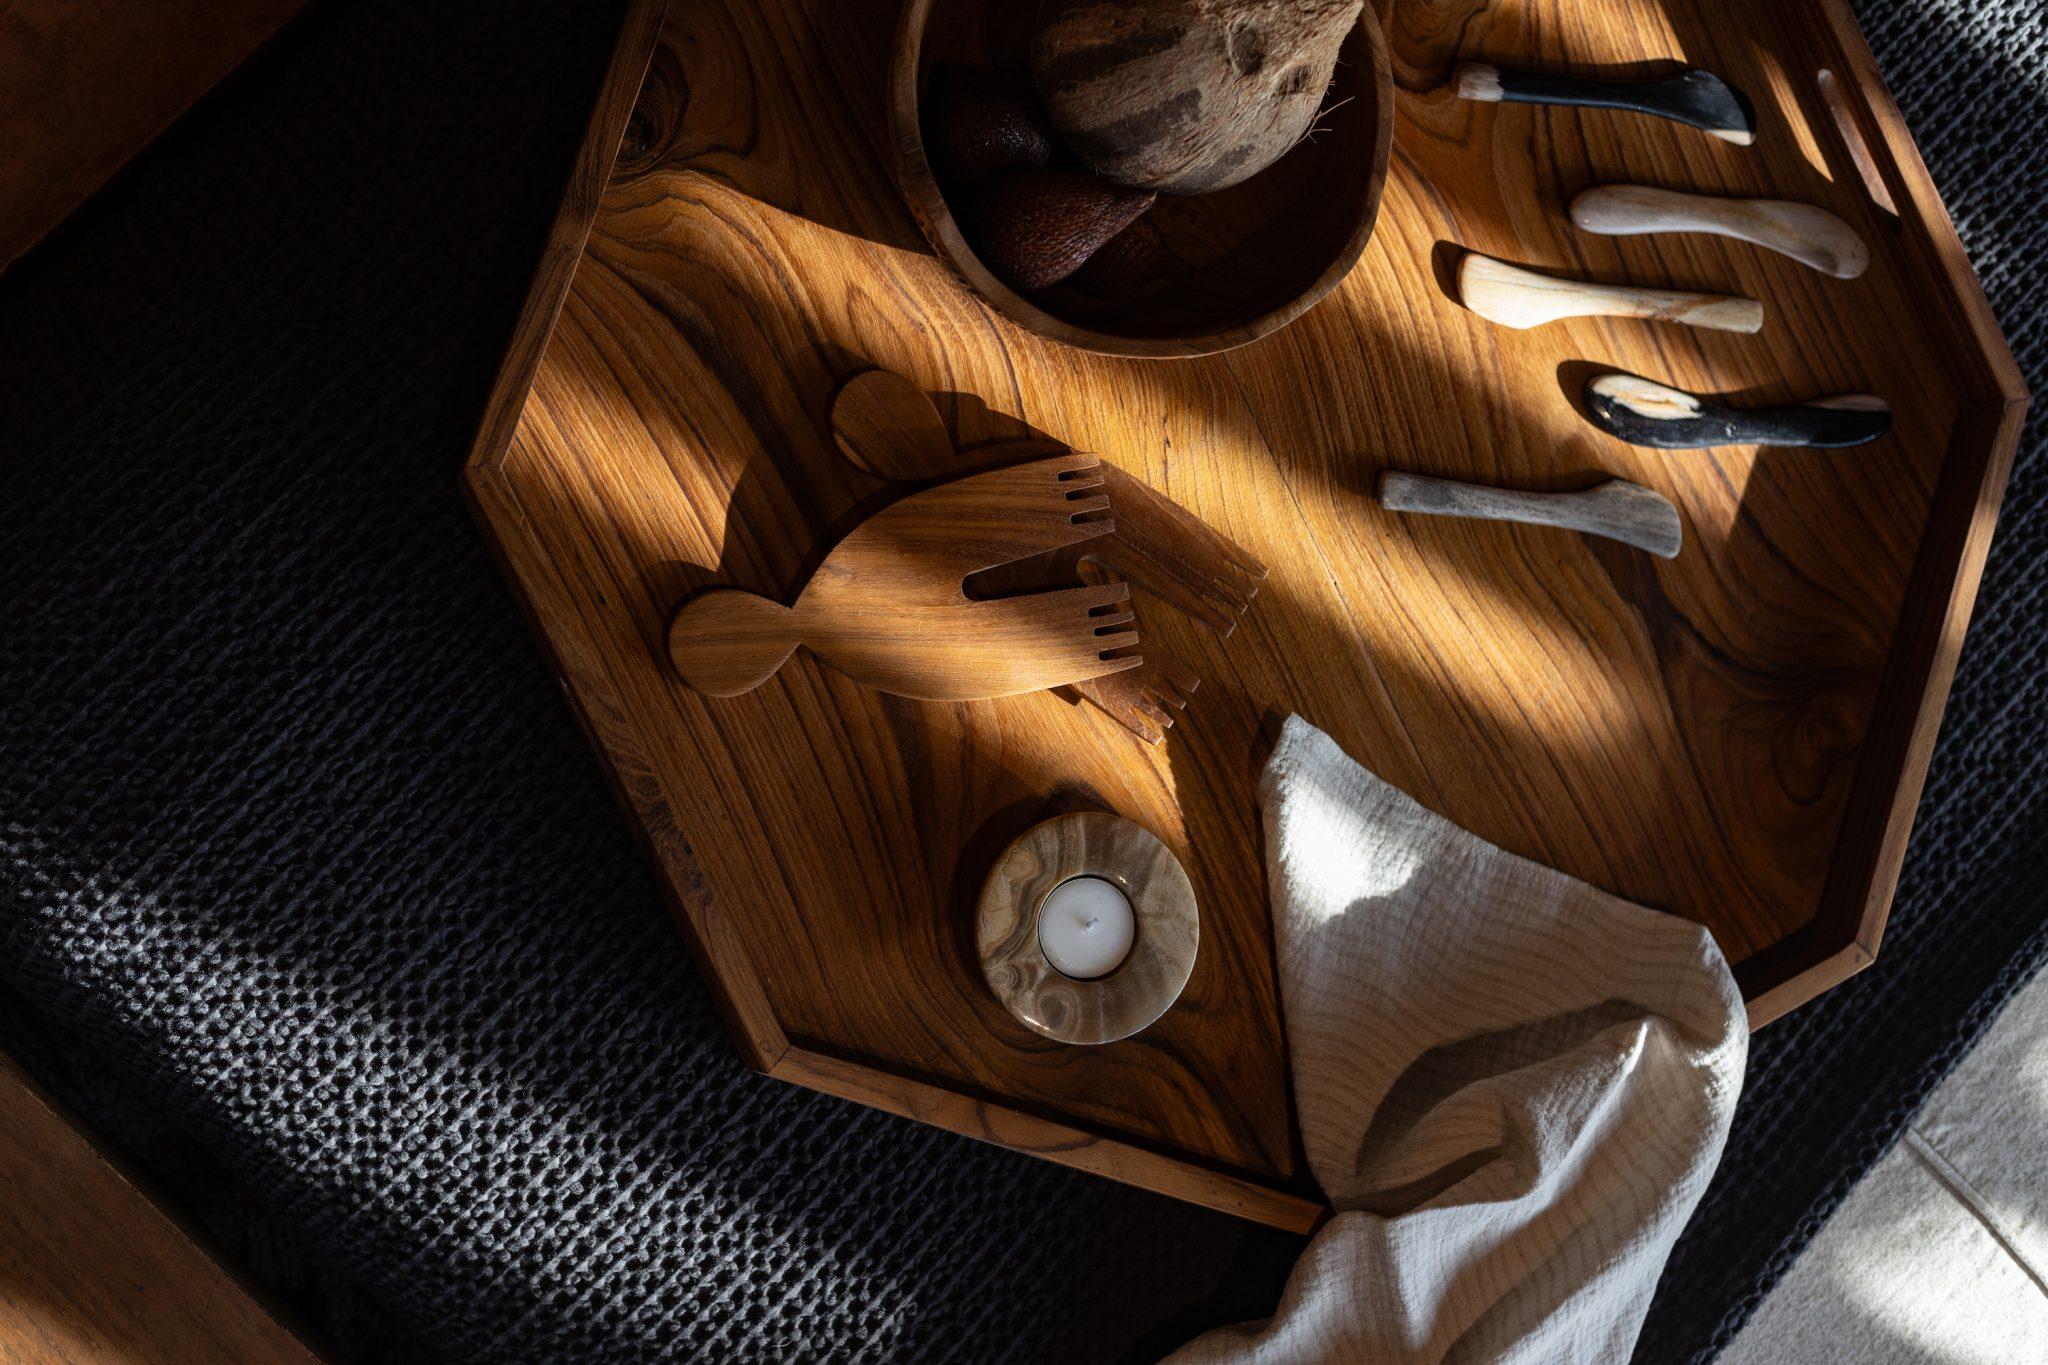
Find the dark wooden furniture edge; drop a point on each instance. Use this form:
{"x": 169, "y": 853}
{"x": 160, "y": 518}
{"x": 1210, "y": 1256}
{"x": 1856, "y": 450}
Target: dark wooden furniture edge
{"x": 17, "y": 1087}
{"x": 79, "y": 192}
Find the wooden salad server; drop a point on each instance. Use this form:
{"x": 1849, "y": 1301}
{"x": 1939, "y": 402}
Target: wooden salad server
{"x": 1649, "y": 414}
{"x": 1617, "y": 509}
{"x": 1514, "y": 297}
{"x": 1808, "y": 234}
{"x": 888, "y": 606}
{"x": 888, "y": 426}
{"x": 1698, "y": 99}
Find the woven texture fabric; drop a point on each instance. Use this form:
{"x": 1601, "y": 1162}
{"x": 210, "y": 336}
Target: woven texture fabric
{"x": 317, "y": 906}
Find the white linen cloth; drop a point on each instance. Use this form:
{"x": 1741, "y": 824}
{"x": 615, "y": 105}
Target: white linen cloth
{"x": 1513, "y": 1087}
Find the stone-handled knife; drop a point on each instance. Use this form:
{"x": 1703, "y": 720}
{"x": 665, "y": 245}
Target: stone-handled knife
{"x": 1812, "y": 236}
{"x": 1693, "y": 97}
{"x": 1649, "y": 414}
{"x": 1514, "y": 297}
{"x": 1618, "y": 510}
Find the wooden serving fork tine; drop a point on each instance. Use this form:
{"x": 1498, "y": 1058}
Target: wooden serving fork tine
{"x": 888, "y": 605}
{"x": 886, "y": 425}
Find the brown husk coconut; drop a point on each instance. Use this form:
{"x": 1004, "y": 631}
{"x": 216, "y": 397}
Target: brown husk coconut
{"x": 1185, "y": 96}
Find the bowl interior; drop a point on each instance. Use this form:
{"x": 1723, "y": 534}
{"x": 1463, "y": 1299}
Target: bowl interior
{"x": 1261, "y": 251}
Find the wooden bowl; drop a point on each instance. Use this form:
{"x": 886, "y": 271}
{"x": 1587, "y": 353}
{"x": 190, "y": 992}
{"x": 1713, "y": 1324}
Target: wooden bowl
{"x": 1262, "y": 252}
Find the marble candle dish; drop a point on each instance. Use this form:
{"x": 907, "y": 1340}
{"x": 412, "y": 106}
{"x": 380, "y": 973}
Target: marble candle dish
{"x": 1162, "y": 953}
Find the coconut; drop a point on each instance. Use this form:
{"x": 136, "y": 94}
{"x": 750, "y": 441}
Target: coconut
{"x": 1185, "y": 96}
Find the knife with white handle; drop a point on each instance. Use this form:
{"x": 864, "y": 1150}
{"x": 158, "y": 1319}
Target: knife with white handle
{"x": 1514, "y": 297}
{"x": 1617, "y": 509}
{"x": 1810, "y": 235}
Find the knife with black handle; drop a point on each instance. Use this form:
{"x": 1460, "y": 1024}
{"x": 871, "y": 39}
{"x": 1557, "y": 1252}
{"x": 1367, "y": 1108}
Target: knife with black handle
{"x": 1650, "y": 414}
{"x": 1699, "y": 99}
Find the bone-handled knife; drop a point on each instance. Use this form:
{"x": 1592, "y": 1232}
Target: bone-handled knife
{"x": 1514, "y": 297}
{"x": 1617, "y": 509}
{"x": 1808, "y": 234}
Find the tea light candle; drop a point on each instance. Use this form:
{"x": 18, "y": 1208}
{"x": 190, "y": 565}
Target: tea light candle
{"x": 1085, "y": 928}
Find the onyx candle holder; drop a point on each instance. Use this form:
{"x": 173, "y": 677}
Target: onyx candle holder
{"x": 1014, "y": 935}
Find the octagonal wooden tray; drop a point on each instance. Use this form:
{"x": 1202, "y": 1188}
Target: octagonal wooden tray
{"x": 1738, "y": 735}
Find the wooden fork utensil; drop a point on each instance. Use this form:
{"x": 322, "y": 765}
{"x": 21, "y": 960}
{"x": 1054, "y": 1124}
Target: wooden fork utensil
{"x": 888, "y": 606}
{"x": 885, "y": 424}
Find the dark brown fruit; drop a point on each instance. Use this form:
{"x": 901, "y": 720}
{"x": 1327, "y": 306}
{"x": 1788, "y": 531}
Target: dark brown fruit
{"x": 977, "y": 126}
{"x": 1037, "y": 227}
{"x": 1128, "y": 264}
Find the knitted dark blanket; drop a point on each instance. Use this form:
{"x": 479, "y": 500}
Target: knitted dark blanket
{"x": 315, "y": 903}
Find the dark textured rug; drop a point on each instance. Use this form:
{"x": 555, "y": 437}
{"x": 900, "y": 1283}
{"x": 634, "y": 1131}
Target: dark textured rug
{"x": 316, "y": 905}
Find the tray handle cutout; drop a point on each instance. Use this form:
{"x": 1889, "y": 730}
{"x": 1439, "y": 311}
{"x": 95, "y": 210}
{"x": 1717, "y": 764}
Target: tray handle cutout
{"x": 1836, "y": 96}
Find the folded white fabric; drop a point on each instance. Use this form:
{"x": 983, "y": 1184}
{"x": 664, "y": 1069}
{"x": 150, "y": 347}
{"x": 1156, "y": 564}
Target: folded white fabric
{"x": 1512, "y": 1087}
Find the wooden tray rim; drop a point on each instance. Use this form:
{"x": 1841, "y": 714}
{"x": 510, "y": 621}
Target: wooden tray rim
{"x": 1842, "y": 940}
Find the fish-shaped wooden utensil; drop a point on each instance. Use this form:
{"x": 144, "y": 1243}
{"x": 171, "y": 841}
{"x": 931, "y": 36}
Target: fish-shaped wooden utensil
{"x": 887, "y": 425}
{"x": 888, "y": 606}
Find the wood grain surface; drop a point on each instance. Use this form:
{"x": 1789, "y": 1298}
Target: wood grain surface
{"x": 86, "y": 84}
{"x": 92, "y": 1271}
{"x": 1738, "y": 735}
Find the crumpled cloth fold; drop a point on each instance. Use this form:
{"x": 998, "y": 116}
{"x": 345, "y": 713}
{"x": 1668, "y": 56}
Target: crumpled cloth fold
{"x": 1513, "y": 1087}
